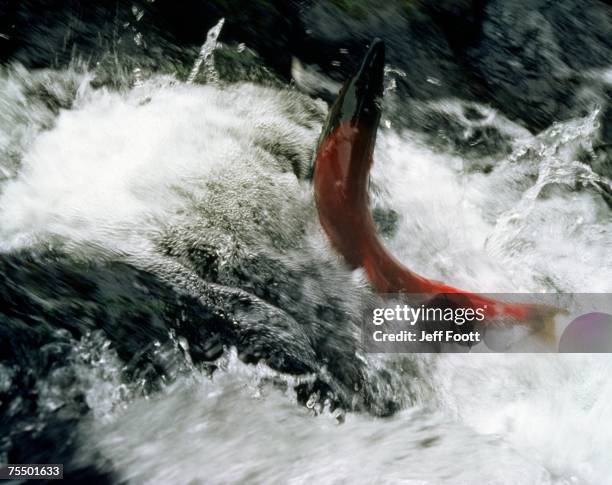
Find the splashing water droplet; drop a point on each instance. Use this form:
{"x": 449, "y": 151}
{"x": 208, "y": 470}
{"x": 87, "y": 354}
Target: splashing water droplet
{"x": 391, "y": 75}
{"x": 138, "y": 13}
{"x": 206, "y": 56}
{"x": 137, "y": 77}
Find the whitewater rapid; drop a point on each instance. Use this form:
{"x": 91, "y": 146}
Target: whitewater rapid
{"x": 167, "y": 168}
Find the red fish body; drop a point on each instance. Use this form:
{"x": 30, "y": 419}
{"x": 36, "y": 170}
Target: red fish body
{"x": 341, "y": 175}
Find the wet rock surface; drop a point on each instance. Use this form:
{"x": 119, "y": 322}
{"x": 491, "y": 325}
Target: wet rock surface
{"x": 56, "y": 316}
{"x": 139, "y": 328}
{"x": 536, "y": 61}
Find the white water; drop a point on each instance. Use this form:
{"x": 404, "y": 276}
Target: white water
{"x": 120, "y": 170}
{"x": 118, "y": 167}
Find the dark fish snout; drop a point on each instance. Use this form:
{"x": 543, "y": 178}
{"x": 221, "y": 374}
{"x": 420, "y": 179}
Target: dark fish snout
{"x": 359, "y": 99}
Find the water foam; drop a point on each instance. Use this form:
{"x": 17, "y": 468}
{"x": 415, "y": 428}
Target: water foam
{"x": 119, "y": 168}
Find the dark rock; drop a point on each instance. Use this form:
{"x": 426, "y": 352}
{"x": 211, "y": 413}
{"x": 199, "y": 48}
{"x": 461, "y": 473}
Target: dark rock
{"x": 533, "y": 60}
{"x": 161, "y": 35}
{"x": 386, "y": 221}
{"x": 415, "y": 43}
{"x": 530, "y": 59}
{"x": 461, "y": 129}
{"x": 60, "y": 313}
{"x": 583, "y": 30}
{"x": 57, "y": 442}
{"x": 532, "y": 56}
{"x": 57, "y": 312}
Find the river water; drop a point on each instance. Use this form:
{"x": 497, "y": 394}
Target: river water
{"x": 214, "y": 177}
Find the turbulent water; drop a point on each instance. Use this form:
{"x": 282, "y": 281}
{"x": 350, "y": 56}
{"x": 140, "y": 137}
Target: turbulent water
{"x": 206, "y": 188}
